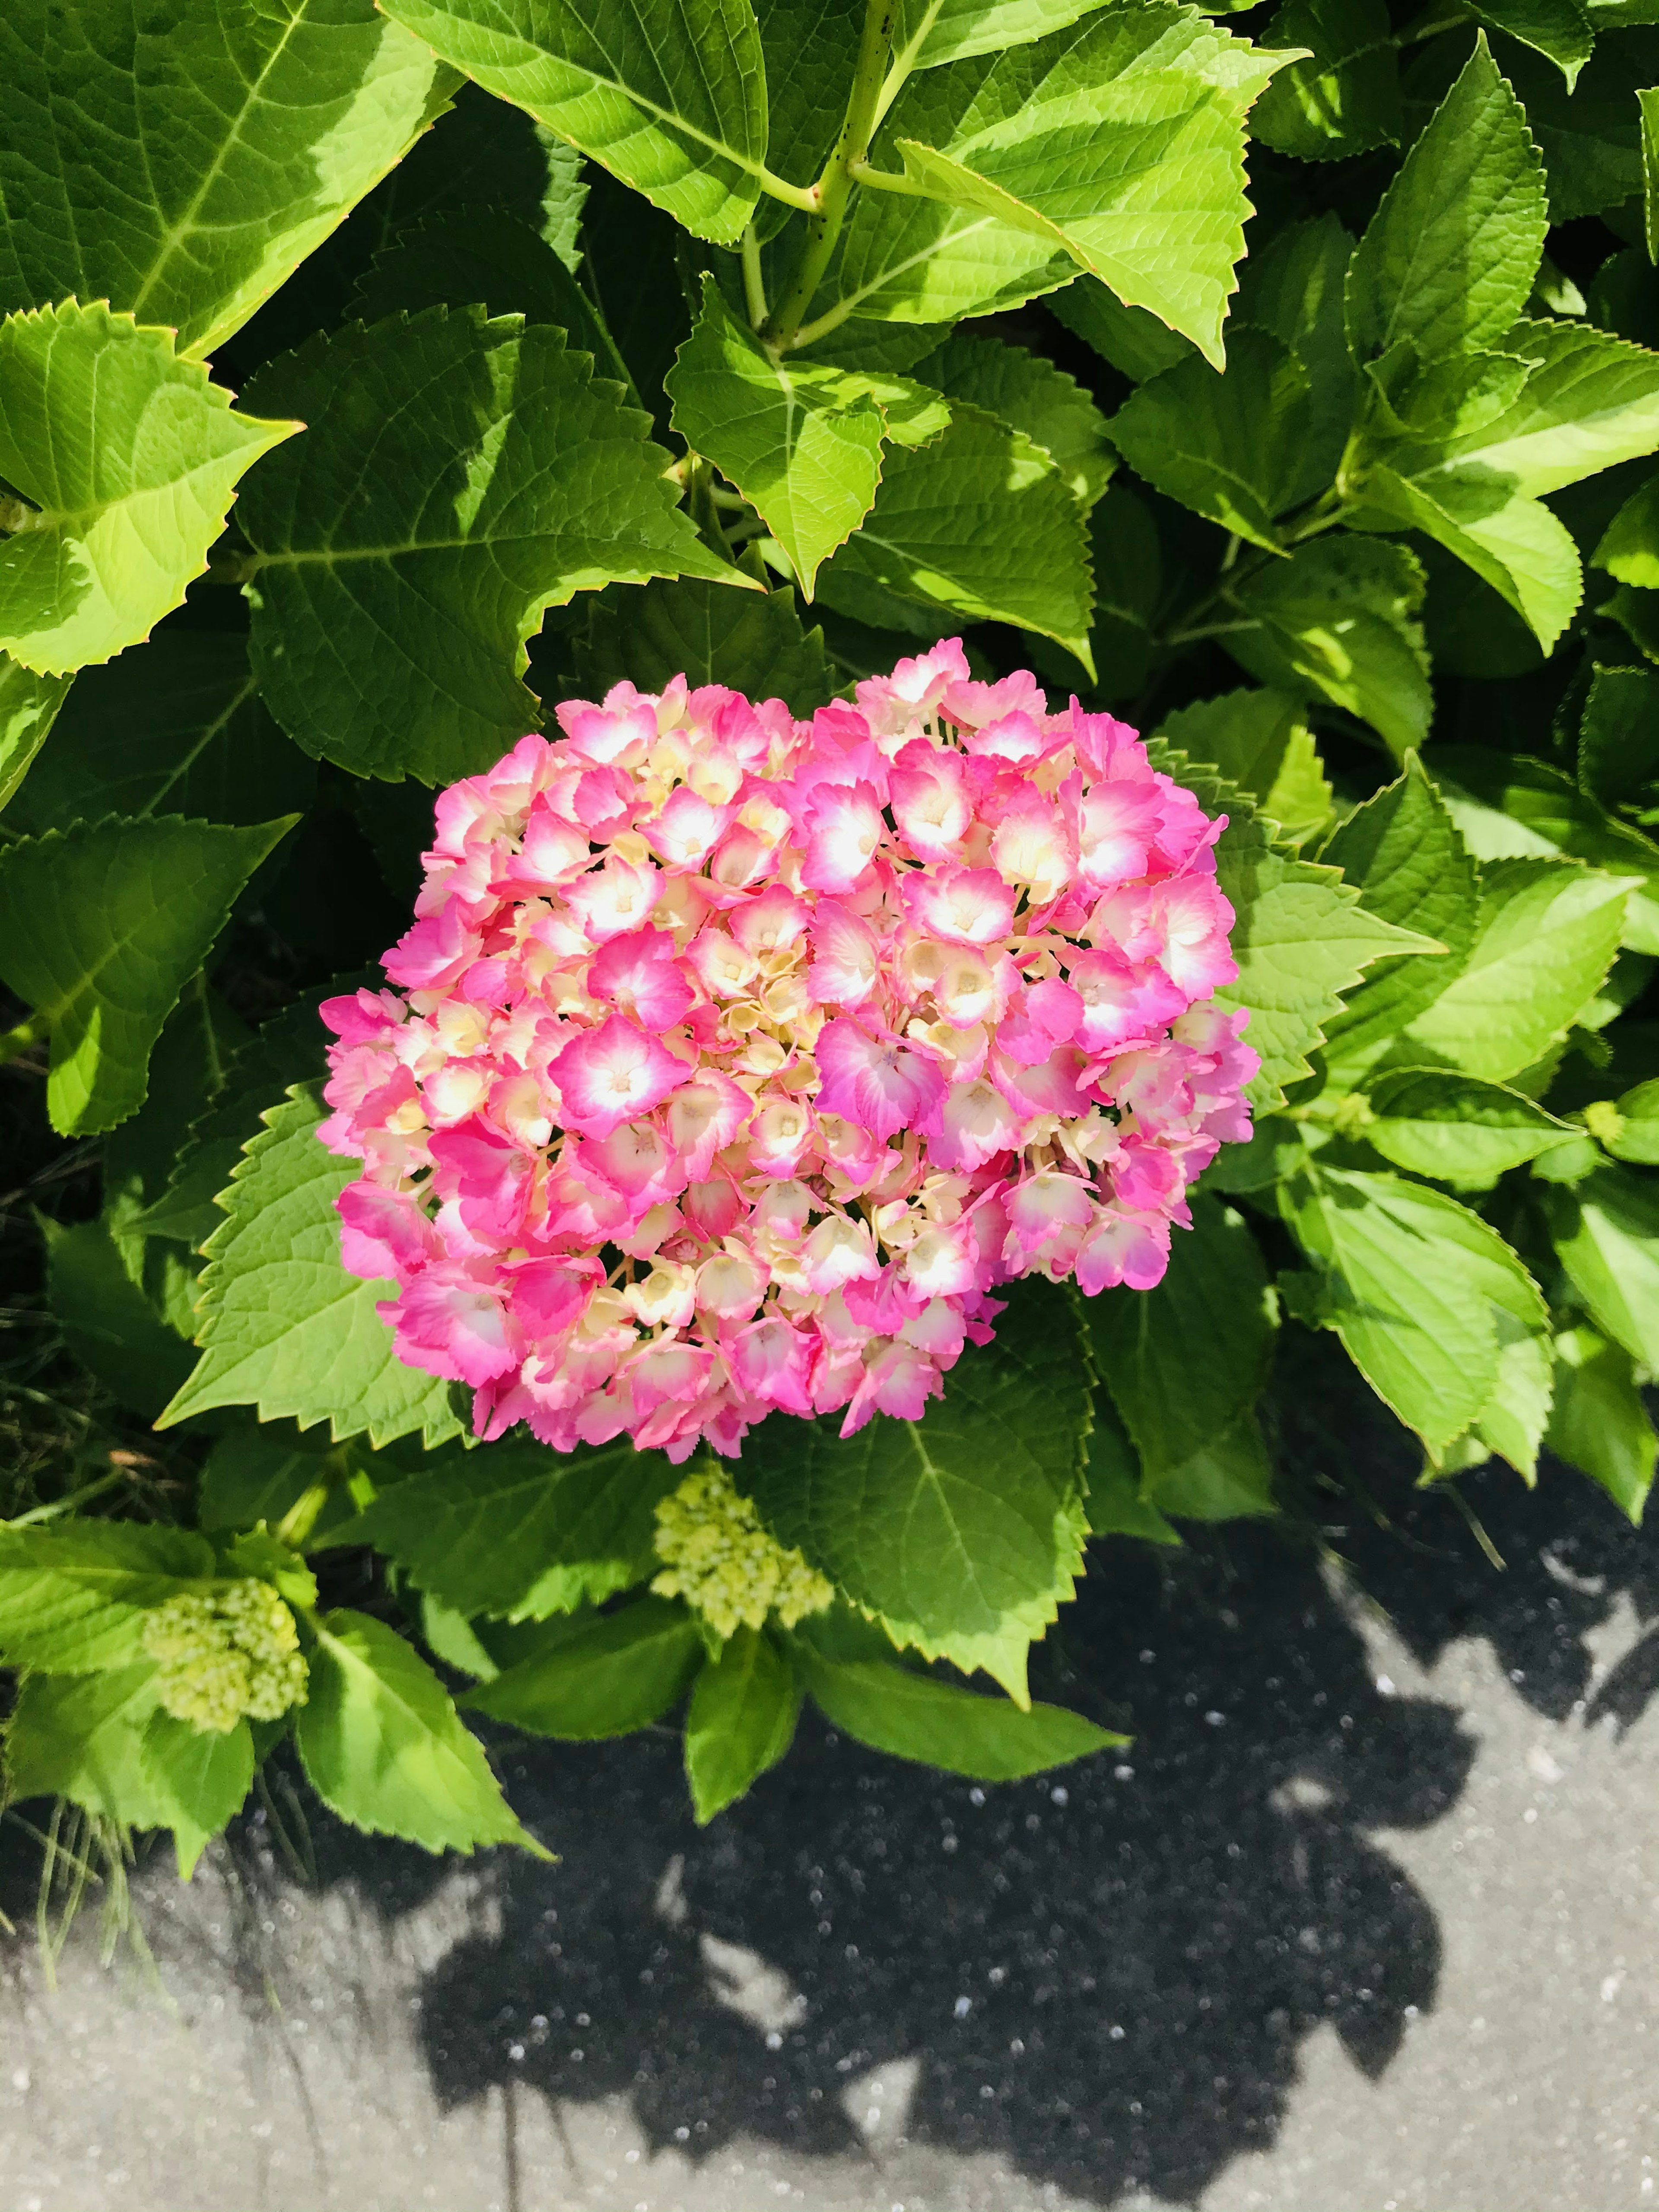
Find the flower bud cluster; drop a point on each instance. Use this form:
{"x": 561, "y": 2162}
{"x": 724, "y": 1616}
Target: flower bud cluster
{"x": 227, "y": 1655}
{"x": 734, "y": 1062}
{"x": 723, "y": 1563}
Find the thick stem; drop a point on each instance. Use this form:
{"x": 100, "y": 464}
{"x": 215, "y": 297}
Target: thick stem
{"x": 754, "y": 284}
{"x": 834, "y": 187}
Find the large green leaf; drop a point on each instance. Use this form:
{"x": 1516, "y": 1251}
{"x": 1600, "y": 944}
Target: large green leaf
{"x": 801, "y": 442}
{"x": 1339, "y": 621}
{"x": 129, "y": 460}
{"x": 1031, "y": 395}
{"x": 73, "y": 1599}
{"x": 927, "y": 33}
{"x": 384, "y": 1747}
{"x": 1507, "y": 806}
{"x": 200, "y": 1779}
{"x": 1559, "y": 28}
{"x": 1514, "y": 545}
{"x": 101, "y": 929}
{"x": 964, "y": 1530}
{"x": 670, "y": 94}
{"x": 1456, "y": 1129}
{"x": 458, "y": 477}
{"x": 751, "y": 640}
{"x": 1416, "y": 1286}
{"x": 1292, "y": 285}
{"x": 1605, "y": 1232}
{"x": 981, "y": 523}
{"x": 82, "y": 1737}
{"x": 1260, "y": 741}
{"x": 176, "y": 729}
{"x": 180, "y": 163}
{"x": 29, "y": 705}
{"x": 1546, "y": 937}
{"x": 940, "y": 1724}
{"x": 1132, "y": 339}
{"x": 1402, "y": 851}
{"x": 515, "y": 1529}
{"x": 1214, "y": 1293}
{"x": 1233, "y": 448}
{"x": 603, "y": 1675}
{"x": 1449, "y": 258}
{"x": 741, "y": 1719}
{"x": 1115, "y": 144}
{"x": 1344, "y": 99}
{"x": 285, "y": 1328}
{"x": 1629, "y": 547}
{"x": 1591, "y": 138}
{"x": 1598, "y": 1423}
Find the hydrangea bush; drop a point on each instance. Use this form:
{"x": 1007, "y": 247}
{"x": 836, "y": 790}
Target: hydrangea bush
{"x": 990, "y": 666}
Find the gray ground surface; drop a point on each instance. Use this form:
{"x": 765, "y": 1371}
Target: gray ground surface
{"x": 1367, "y": 1921}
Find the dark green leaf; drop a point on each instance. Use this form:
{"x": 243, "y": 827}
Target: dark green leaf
{"x": 1226, "y": 1479}
{"x": 384, "y": 1747}
{"x": 101, "y": 929}
{"x": 1345, "y": 98}
{"x": 80, "y": 1736}
{"x": 200, "y": 1779}
{"x": 458, "y": 478}
{"x": 755, "y": 643}
{"x": 1133, "y": 339}
{"x": 1591, "y": 138}
{"x": 1259, "y": 741}
{"x": 28, "y": 707}
{"x": 1559, "y": 28}
{"x": 741, "y": 1719}
{"x": 1598, "y": 1423}
{"x": 1629, "y": 547}
{"x": 1605, "y": 1232}
{"x": 603, "y": 1675}
{"x": 1032, "y": 396}
{"x": 1116, "y": 1504}
{"x": 107, "y": 1321}
{"x": 258, "y": 1473}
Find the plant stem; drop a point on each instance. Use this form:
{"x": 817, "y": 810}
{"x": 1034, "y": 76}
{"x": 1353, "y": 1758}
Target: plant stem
{"x": 834, "y": 187}
{"x": 15, "y": 1043}
{"x": 754, "y": 284}
{"x": 67, "y": 1504}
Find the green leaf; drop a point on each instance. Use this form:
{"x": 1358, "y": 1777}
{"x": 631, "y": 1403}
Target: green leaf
{"x": 1128, "y": 565}
{"x": 1544, "y": 938}
{"x": 1459, "y": 1131}
{"x": 107, "y": 1322}
{"x": 1339, "y": 621}
{"x": 1514, "y": 545}
{"x": 1345, "y": 98}
{"x": 1116, "y": 1505}
{"x": 1259, "y": 741}
{"x": 670, "y": 94}
{"x": 181, "y": 165}
{"x": 73, "y": 1599}
{"x": 519, "y": 1531}
{"x": 754, "y": 641}
{"x": 200, "y": 1779}
{"x": 741, "y": 1719}
{"x": 384, "y": 1747}
{"x": 603, "y": 1675}
{"x": 258, "y": 1473}
{"x": 964, "y": 1530}
{"x": 100, "y": 929}
{"x": 1598, "y": 1423}
{"x": 1590, "y": 401}
{"x": 1232, "y": 447}
{"x": 1032, "y": 396}
{"x": 285, "y": 1328}
{"x": 1413, "y": 1283}
{"x": 29, "y": 705}
{"x": 1116, "y": 145}
{"x": 940, "y": 1724}
{"x": 1647, "y": 100}
{"x": 504, "y": 262}
{"x": 1591, "y": 138}
{"x": 929, "y": 33}
{"x": 1225, "y": 1480}
{"x": 982, "y": 524}
{"x": 82, "y": 1737}
{"x": 810, "y": 48}
{"x": 1214, "y": 1293}
{"x": 1132, "y": 339}
{"x": 176, "y": 729}
{"x": 801, "y": 442}
{"x": 1606, "y": 1233}
{"x": 1629, "y": 549}
{"x": 200, "y": 1039}
{"x": 1558, "y": 28}
{"x": 1637, "y": 614}
{"x": 1402, "y": 853}
{"x": 1631, "y": 1131}
{"x": 129, "y": 460}
{"x": 458, "y": 478}
{"x": 1301, "y": 939}
{"x": 1448, "y": 259}
{"x": 1507, "y": 806}
{"x": 449, "y": 1636}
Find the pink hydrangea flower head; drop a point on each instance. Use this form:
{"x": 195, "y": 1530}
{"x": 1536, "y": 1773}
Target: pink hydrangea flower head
{"x": 734, "y": 1062}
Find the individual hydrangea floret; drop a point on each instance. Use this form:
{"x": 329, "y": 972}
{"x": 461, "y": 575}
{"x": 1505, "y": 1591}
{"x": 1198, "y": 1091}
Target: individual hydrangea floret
{"x": 227, "y": 1655}
{"x": 735, "y": 1061}
{"x": 724, "y": 1565}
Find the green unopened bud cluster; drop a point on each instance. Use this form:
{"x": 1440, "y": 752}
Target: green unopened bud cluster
{"x": 227, "y": 1655}
{"x": 724, "y": 1565}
